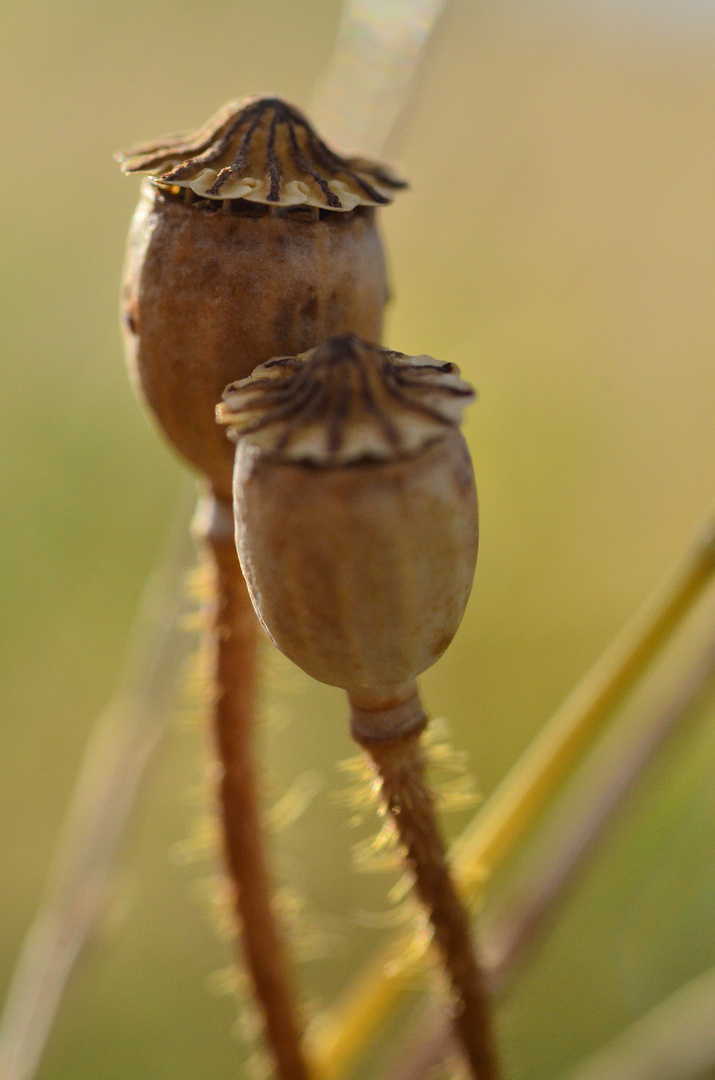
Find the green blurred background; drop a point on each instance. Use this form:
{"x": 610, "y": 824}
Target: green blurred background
{"x": 558, "y": 243}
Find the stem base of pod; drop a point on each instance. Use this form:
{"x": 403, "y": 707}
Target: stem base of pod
{"x": 373, "y": 720}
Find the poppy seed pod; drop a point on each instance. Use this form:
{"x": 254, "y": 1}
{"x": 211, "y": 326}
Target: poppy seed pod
{"x": 356, "y": 516}
{"x": 252, "y": 239}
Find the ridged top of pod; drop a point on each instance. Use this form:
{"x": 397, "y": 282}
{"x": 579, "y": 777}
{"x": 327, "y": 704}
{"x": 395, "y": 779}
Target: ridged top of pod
{"x": 265, "y": 151}
{"x": 345, "y": 401}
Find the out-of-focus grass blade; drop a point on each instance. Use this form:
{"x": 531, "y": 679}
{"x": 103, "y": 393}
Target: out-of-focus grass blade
{"x": 367, "y": 84}
{"x": 122, "y": 743}
{"x": 674, "y": 1041}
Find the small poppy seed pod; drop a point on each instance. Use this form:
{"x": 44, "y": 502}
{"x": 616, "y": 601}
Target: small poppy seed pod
{"x": 356, "y": 517}
{"x": 252, "y": 239}
{"x": 356, "y": 528}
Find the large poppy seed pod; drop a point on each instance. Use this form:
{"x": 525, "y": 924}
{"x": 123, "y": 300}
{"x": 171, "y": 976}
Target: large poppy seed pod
{"x": 356, "y": 516}
{"x": 252, "y": 239}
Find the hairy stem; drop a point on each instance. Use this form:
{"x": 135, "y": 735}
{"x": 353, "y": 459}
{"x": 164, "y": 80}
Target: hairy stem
{"x": 234, "y": 640}
{"x": 400, "y": 764}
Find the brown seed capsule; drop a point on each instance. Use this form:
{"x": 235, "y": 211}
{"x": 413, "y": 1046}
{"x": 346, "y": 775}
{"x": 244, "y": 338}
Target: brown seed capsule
{"x": 356, "y": 527}
{"x": 252, "y": 239}
{"x": 356, "y": 514}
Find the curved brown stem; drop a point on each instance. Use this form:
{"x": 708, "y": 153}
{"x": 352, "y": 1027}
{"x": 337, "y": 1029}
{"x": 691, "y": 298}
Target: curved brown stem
{"x": 400, "y": 763}
{"x": 233, "y": 639}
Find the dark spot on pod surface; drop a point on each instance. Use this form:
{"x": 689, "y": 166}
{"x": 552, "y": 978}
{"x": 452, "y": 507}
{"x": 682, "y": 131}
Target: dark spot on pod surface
{"x": 131, "y": 317}
{"x": 310, "y": 306}
{"x": 463, "y": 470}
{"x": 442, "y": 645}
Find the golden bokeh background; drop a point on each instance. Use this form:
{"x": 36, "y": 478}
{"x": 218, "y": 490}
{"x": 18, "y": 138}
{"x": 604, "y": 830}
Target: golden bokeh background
{"x": 558, "y": 243}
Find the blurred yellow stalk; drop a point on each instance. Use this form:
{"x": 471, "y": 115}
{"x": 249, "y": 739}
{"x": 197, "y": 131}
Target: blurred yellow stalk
{"x": 337, "y": 1037}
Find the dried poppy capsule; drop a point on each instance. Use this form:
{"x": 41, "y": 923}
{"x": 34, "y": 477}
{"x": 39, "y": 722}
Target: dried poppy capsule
{"x": 356, "y": 527}
{"x": 356, "y": 514}
{"x": 252, "y": 239}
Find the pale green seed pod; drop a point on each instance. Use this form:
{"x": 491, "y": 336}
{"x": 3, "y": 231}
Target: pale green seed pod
{"x": 356, "y": 514}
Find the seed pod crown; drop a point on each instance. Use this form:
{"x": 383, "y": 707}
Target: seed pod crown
{"x": 264, "y": 151}
{"x": 345, "y": 401}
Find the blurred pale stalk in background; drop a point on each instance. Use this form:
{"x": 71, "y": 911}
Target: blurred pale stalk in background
{"x": 366, "y": 86}
{"x": 123, "y": 742}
